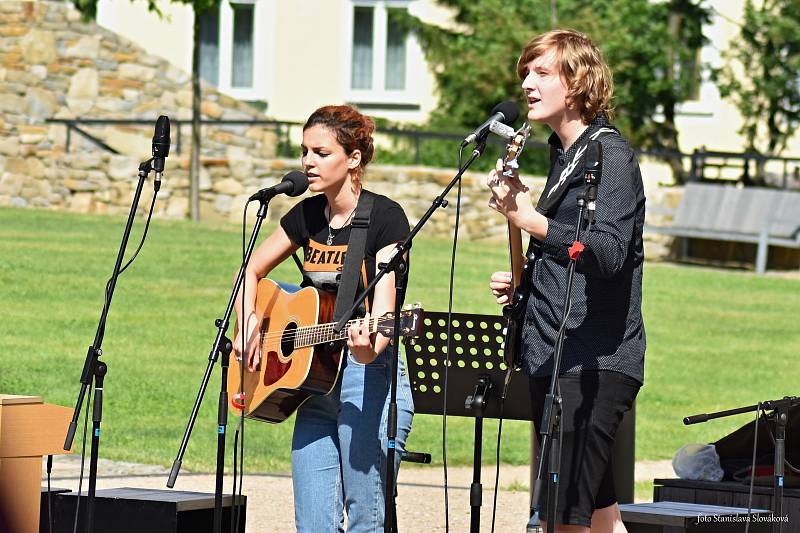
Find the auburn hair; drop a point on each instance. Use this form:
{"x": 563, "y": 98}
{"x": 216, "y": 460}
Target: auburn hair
{"x": 352, "y": 129}
{"x": 590, "y": 86}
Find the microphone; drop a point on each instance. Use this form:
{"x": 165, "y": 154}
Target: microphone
{"x": 504, "y": 112}
{"x": 160, "y": 147}
{"x": 502, "y": 131}
{"x": 294, "y": 183}
{"x": 592, "y": 169}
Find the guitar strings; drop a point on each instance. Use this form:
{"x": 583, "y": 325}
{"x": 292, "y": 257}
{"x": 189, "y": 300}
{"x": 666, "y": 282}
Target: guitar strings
{"x": 314, "y": 334}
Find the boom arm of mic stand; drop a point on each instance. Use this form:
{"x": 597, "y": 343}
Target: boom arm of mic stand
{"x": 95, "y": 350}
{"x": 222, "y": 346}
{"x": 403, "y": 247}
{"x": 398, "y": 265}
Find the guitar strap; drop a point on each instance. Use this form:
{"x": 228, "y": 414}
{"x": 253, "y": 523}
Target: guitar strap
{"x": 556, "y": 188}
{"x": 351, "y": 271}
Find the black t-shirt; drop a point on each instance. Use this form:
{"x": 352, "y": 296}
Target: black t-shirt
{"x": 307, "y": 226}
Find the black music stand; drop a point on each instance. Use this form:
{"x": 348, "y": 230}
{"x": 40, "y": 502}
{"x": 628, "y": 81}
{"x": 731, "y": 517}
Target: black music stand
{"x": 476, "y": 376}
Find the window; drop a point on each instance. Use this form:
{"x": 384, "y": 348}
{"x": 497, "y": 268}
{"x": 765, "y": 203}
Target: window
{"x": 395, "y": 51}
{"x": 242, "y": 58}
{"x": 232, "y": 48}
{"x": 380, "y": 54}
{"x": 209, "y": 47}
{"x": 362, "y": 48}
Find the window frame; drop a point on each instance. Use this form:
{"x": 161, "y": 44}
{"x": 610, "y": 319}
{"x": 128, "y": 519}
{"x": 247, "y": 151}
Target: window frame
{"x": 263, "y": 30}
{"x": 378, "y": 96}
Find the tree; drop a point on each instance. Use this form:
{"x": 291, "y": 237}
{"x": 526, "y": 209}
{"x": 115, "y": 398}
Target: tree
{"x": 199, "y": 7}
{"x": 762, "y": 74}
{"x": 651, "y": 48}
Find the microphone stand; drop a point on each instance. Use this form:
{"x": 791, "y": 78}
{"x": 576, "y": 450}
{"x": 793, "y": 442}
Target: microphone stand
{"x": 780, "y": 410}
{"x": 399, "y": 265}
{"x": 94, "y": 369}
{"x": 551, "y": 414}
{"x": 222, "y": 346}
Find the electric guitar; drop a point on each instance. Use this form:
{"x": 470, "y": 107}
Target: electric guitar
{"x": 514, "y": 311}
{"x": 301, "y": 355}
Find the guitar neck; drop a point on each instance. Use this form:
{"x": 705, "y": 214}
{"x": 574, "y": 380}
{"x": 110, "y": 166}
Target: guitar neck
{"x": 324, "y": 333}
{"x": 515, "y": 251}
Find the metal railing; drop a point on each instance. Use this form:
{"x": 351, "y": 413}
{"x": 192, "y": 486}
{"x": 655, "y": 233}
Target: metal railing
{"x": 283, "y": 130}
{"x": 700, "y": 161}
{"x": 703, "y": 160}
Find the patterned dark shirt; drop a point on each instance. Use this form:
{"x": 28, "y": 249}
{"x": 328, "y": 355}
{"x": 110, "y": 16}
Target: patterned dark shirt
{"x": 605, "y": 330}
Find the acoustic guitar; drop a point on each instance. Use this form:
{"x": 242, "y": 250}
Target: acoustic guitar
{"x": 301, "y": 355}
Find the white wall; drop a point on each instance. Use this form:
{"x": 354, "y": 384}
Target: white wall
{"x": 302, "y": 52}
{"x": 169, "y": 37}
{"x": 711, "y": 121}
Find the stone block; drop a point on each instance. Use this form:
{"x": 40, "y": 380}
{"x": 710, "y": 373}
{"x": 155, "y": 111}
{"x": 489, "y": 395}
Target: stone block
{"x": 40, "y": 104}
{"x": 11, "y": 103}
{"x": 40, "y": 71}
{"x": 133, "y": 71}
{"x": 84, "y": 84}
{"x": 80, "y": 202}
{"x": 79, "y": 185}
{"x": 178, "y": 207}
{"x": 9, "y": 146}
{"x": 176, "y": 76}
{"x": 122, "y": 167}
{"x": 204, "y": 179}
{"x": 129, "y": 143}
{"x": 87, "y": 47}
{"x": 11, "y": 184}
{"x": 211, "y": 109}
{"x": 38, "y": 46}
{"x": 184, "y": 99}
{"x": 17, "y": 201}
{"x": 229, "y": 186}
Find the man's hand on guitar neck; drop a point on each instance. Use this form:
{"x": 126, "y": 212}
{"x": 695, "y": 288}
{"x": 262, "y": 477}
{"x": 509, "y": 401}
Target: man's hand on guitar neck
{"x": 501, "y": 286}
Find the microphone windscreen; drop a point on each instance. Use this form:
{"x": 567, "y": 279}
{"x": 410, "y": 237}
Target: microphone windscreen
{"x": 510, "y": 112}
{"x": 594, "y": 157}
{"x": 161, "y": 139}
{"x": 299, "y": 182}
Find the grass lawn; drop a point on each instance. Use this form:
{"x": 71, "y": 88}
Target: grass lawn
{"x": 716, "y": 339}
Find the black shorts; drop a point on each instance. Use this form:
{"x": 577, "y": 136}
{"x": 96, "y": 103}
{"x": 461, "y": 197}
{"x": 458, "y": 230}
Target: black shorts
{"x": 593, "y": 405}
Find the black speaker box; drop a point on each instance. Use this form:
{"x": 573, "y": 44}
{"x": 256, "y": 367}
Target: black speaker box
{"x": 129, "y": 510}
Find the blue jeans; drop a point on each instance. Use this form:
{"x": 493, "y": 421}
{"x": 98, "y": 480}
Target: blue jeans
{"x": 339, "y": 448}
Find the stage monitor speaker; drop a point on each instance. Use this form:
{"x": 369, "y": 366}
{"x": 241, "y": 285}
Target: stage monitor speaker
{"x": 130, "y": 510}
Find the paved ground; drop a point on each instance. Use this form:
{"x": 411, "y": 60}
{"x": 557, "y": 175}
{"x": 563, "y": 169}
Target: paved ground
{"x": 420, "y": 493}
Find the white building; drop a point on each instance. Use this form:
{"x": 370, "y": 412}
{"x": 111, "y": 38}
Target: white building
{"x": 291, "y": 56}
{"x": 295, "y": 55}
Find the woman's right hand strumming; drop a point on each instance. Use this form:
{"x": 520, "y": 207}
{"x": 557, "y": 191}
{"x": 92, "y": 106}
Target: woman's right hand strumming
{"x": 501, "y": 287}
{"x": 249, "y": 334}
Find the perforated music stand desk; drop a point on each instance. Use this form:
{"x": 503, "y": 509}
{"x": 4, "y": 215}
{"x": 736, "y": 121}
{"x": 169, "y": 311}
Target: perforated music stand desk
{"x": 476, "y": 359}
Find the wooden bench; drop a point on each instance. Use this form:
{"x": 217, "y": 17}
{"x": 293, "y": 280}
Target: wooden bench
{"x": 676, "y": 517}
{"x": 765, "y": 217}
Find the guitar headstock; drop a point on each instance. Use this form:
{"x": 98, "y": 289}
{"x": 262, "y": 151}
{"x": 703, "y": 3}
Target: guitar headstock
{"x": 515, "y": 147}
{"x": 410, "y": 322}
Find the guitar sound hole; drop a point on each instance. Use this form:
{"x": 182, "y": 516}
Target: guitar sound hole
{"x": 287, "y": 339}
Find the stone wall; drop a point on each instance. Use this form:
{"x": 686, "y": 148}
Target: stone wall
{"x": 53, "y": 65}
